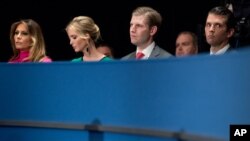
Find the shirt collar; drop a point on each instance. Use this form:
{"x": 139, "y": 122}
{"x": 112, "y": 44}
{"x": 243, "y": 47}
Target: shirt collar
{"x": 221, "y": 51}
{"x": 147, "y": 51}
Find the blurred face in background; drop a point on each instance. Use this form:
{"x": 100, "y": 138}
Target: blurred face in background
{"x": 185, "y": 45}
{"x": 105, "y": 50}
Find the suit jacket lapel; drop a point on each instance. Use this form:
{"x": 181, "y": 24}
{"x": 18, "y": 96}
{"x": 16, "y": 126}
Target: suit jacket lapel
{"x": 155, "y": 52}
{"x": 133, "y": 55}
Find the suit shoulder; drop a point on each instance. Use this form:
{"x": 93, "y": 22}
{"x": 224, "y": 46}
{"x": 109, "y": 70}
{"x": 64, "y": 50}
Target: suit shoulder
{"x": 164, "y": 53}
{"x": 129, "y": 56}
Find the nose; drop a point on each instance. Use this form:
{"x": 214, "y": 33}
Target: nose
{"x": 18, "y": 35}
{"x": 180, "y": 49}
{"x": 132, "y": 28}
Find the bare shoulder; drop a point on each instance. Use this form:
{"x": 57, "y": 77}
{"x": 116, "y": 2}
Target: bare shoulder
{"x": 46, "y": 59}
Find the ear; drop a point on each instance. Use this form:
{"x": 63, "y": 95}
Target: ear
{"x": 153, "y": 30}
{"x": 230, "y": 32}
{"x": 86, "y": 36}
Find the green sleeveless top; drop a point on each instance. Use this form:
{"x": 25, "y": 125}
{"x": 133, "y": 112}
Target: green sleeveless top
{"x": 81, "y": 60}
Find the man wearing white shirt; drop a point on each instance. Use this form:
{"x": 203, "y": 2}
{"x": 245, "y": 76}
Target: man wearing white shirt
{"x": 144, "y": 24}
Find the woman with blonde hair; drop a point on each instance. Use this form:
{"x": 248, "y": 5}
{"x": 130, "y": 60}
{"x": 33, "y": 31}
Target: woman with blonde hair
{"x": 83, "y": 34}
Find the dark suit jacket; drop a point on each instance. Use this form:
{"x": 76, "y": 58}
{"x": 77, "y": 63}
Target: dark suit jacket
{"x": 230, "y": 50}
{"x": 157, "y": 52}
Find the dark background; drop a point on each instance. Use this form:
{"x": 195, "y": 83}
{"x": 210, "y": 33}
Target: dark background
{"x": 113, "y": 18}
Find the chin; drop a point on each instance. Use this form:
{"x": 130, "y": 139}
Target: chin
{"x": 21, "y": 48}
{"x": 76, "y": 50}
{"x": 210, "y": 41}
{"x": 134, "y": 43}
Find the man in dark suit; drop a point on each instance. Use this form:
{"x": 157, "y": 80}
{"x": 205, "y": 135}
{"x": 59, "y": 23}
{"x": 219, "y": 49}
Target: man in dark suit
{"x": 144, "y": 24}
{"x": 219, "y": 29}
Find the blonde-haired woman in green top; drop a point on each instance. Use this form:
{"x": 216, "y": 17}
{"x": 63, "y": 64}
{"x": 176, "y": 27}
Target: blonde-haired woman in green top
{"x": 83, "y": 34}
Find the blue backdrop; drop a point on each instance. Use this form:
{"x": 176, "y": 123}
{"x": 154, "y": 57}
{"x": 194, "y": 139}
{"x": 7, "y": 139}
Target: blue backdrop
{"x": 200, "y": 95}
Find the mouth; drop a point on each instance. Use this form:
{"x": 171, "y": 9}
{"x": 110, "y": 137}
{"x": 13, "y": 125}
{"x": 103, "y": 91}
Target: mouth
{"x": 180, "y": 53}
{"x": 132, "y": 36}
{"x": 18, "y": 43}
{"x": 210, "y": 36}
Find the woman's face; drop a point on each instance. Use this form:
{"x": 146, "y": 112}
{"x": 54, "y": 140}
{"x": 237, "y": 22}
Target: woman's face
{"x": 22, "y": 37}
{"x": 76, "y": 41}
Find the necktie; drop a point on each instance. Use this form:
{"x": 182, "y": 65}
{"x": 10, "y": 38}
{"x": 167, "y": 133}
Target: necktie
{"x": 139, "y": 55}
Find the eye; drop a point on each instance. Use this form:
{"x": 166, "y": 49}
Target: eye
{"x": 208, "y": 25}
{"x": 139, "y": 25}
{"x": 16, "y": 32}
{"x": 186, "y": 43}
{"x": 25, "y": 33}
{"x": 73, "y": 37}
{"x": 217, "y": 25}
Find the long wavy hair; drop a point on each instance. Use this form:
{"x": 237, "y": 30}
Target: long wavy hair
{"x": 37, "y": 50}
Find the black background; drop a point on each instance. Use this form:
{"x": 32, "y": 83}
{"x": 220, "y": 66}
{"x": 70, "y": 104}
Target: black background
{"x": 113, "y": 18}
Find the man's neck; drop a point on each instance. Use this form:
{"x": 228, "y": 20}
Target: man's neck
{"x": 143, "y": 46}
{"x": 221, "y": 51}
{"x": 215, "y": 49}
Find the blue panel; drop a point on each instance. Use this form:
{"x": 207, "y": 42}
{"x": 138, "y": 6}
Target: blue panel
{"x": 199, "y": 95}
{"x": 126, "y": 137}
{"x": 36, "y": 134}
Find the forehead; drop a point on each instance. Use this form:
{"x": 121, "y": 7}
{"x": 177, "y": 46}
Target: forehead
{"x": 185, "y": 37}
{"x": 71, "y": 30}
{"x": 213, "y": 18}
{"x": 138, "y": 19}
{"x": 21, "y": 26}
